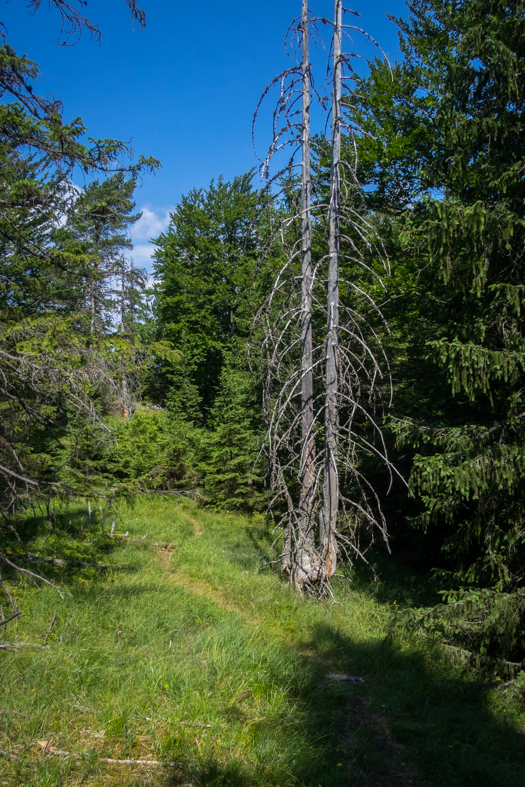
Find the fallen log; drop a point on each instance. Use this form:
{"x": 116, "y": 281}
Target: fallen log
{"x": 15, "y": 645}
{"x": 345, "y": 678}
{"x": 60, "y": 561}
{"x": 47, "y": 749}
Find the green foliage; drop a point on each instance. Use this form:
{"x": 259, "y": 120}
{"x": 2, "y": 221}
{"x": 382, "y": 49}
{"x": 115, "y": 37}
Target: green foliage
{"x": 451, "y": 128}
{"x": 92, "y": 244}
{"x": 154, "y": 451}
{"x": 485, "y": 626}
{"x": 57, "y": 376}
{"x": 159, "y": 449}
{"x": 204, "y": 266}
{"x": 441, "y": 166}
{"x": 208, "y": 285}
{"x": 231, "y": 448}
{"x": 476, "y": 233}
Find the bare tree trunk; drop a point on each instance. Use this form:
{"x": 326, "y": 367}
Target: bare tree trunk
{"x": 126, "y": 410}
{"x": 307, "y": 384}
{"x": 92, "y": 309}
{"x": 328, "y": 517}
{"x": 305, "y": 477}
{"x": 304, "y": 560}
{"x": 123, "y": 295}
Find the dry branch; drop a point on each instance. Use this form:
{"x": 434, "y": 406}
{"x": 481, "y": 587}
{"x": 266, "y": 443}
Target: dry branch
{"x": 30, "y": 574}
{"x": 9, "y": 596}
{"x": 52, "y": 750}
{"x": 6, "y": 620}
{"x": 142, "y": 539}
{"x": 59, "y": 561}
{"x": 321, "y": 393}
{"x": 66, "y": 630}
{"x": 50, "y": 627}
{"x": 17, "y": 645}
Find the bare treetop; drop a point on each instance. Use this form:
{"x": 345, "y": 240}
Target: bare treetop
{"x": 73, "y": 21}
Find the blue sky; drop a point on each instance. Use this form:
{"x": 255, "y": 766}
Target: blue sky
{"x": 184, "y": 89}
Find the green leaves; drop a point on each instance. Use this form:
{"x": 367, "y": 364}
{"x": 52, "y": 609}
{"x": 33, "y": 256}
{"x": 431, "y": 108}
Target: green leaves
{"x": 204, "y": 266}
{"x": 477, "y": 621}
{"x": 445, "y": 165}
{"x": 233, "y": 476}
{"x": 63, "y": 359}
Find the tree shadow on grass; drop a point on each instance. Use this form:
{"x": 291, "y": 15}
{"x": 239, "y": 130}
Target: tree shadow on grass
{"x": 410, "y": 723}
{"x": 413, "y": 721}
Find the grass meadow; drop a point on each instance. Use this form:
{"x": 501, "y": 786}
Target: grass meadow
{"x": 195, "y": 654}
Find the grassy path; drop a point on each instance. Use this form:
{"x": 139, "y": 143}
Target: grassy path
{"x": 199, "y": 656}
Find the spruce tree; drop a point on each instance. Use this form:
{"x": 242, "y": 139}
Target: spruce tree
{"x": 473, "y": 54}
{"x": 95, "y": 237}
{"x": 204, "y": 267}
{"x": 231, "y": 448}
{"x": 55, "y": 380}
{"x": 445, "y": 167}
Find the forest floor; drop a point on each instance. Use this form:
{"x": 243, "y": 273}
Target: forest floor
{"x": 192, "y": 654}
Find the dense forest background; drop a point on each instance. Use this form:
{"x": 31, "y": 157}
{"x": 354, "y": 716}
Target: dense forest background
{"x": 112, "y": 385}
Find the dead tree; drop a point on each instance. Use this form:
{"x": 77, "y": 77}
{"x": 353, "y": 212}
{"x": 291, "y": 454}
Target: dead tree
{"x": 328, "y": 515}
{"x": 291, "y": 127}
{"x": 301, "y": 556}
{"x": 321, "y": 384}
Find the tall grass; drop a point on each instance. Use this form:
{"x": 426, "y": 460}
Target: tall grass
{"x": 200, "y": 657}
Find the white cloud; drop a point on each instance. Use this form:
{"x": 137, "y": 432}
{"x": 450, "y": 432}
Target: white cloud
{"x": 150, "y": 225}
{"x": 152, "y": 222}
{"x": 142, "y": 254}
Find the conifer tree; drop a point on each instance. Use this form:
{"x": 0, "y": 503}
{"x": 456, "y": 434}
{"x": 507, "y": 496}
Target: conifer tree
{"x": 204, "y": 265}
{"x": 54, "y": 380}
{"x": 231, "y": 447}
{"x": 470, "y": 472}
{"x": 442, "y": 162}
{"x": 95, "y": 236}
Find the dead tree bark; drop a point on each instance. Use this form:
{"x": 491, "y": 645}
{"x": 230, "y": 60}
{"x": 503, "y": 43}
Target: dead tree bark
{"x": 328, "y": 516}
{"x": 303, "y": 562}
{"x": 319, "y": 387}
{"x": 126, "y": 408}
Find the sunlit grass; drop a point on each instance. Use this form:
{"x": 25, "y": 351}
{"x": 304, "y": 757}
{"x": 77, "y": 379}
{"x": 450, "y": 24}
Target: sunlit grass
{"x": 199, "y": 656}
